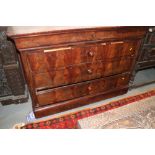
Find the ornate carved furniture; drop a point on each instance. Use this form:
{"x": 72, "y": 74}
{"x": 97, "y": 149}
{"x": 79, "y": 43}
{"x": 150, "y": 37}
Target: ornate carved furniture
{"x": 147, "y": 54}
{"x": 12, "y": 86}
{"x": 146, "y": 58}
{"x": 73, "y": 67}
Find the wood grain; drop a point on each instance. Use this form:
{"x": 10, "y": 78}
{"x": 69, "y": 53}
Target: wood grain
{"x": 53, "y": 96}
{"x": 71, "y": 68}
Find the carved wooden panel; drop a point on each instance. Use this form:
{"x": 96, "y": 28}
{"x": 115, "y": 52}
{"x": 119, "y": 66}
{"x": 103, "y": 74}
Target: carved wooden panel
{"x": 147, "y": 54}
{"x": 4, "y": 87}
{"x": 12, "y": 86}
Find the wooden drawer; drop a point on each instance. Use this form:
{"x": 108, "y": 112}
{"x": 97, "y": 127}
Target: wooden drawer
{"x": 53, "y": 59}
{"x": 82, "y": 72}
{"x": 53, "y": 96}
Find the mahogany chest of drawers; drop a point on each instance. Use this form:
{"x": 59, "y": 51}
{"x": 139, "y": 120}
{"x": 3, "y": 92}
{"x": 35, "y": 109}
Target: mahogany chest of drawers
{"x": 69, "y": 68}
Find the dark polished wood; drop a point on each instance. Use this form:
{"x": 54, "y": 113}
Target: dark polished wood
{"x": 81, "y": 72}
{"x": 75, "y": 36}
{"x": 53, "y": 96}
{"x": 70, "y": 68}
{"x": 78, "y": 102}
{"x": 56, "y": 58}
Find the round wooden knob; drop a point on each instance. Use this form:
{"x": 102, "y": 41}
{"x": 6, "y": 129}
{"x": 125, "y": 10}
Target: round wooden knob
{"x": 91, "y": 53}
{"x": 89, "y": 71}
{"x": 123, "y": 78}
{"x": 89, "y": 88}
{"x": 131, "y": 49}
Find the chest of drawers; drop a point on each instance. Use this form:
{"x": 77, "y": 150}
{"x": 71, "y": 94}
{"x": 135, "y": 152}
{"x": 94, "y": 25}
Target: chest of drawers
{"x": 70, "y": 68}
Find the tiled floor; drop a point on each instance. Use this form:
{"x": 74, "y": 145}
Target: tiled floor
{"x": 13, "y": 114}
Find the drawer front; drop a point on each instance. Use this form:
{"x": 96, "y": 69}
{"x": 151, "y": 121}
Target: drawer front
{"x": 54, "y": 59}
{"x": 52, "y": 96}
{"x": 82, "y": 72}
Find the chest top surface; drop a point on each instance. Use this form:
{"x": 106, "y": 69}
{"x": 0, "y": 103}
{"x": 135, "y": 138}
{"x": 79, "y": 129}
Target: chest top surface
{"x": 32, "y": 37}
{"x": 22, "y": 30}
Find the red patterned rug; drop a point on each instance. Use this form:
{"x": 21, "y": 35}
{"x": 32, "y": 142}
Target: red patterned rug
{"x": 70, "y": 121}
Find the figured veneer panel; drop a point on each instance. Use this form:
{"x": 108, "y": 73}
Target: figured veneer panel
{"x": 82, "y": 72}
{"x": 44, "y": 62}
{"x": 53, "y": 96}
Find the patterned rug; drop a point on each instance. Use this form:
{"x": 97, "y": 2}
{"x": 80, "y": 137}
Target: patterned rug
{"x": 140, "y": 115}
{"x": 70, "y": 121}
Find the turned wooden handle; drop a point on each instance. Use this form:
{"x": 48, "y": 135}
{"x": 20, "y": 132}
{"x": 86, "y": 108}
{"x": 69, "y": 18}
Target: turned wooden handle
{"x": 57, "y": 49}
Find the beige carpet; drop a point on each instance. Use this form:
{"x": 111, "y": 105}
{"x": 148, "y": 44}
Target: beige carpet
{"x": 138, "y": 115}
